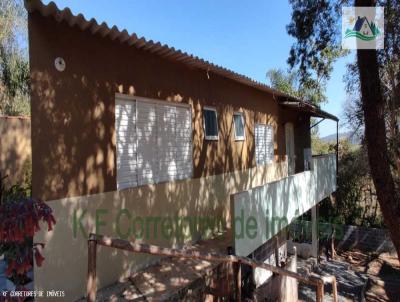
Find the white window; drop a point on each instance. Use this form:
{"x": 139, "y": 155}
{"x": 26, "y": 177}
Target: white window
{"x": 146, "y": 131}
{"x": 210, "y": 123}
{"x": 125, "y": 128}
{"x": 238, "y": 123}
{"x": 264, "y": 143}
{"x": 154, "y": 141}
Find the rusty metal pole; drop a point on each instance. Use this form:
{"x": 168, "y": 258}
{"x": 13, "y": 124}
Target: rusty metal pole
{"x": 91, "y": 286}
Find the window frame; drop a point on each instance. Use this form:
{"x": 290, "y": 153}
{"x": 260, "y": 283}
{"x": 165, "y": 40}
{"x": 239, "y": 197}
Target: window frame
{"x": 210, "y": 137}
{"x": 239, "y": 138}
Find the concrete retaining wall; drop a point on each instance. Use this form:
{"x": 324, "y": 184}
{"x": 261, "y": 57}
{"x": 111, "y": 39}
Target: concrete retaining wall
{"x": 350, "y": 236}
{"x": 366, "y": 239}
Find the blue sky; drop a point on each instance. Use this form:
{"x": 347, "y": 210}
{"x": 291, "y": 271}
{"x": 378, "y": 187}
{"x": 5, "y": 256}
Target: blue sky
{"x": 248, "y": 37}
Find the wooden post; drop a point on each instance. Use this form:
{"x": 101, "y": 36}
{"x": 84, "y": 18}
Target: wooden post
{"x": 333, "y": 252}
{"x": 276, "y": 251}
{"x": 315, "y": 231}
{"x": 231, "y": 281}
{"x": 320, "y": 292}
{"x": 91, "y": 286}
{"x": 162, "y": 251}
{"x": 295, "y": 283}
{"x": 238, "y": 281}
{"x": 334, "y": 290}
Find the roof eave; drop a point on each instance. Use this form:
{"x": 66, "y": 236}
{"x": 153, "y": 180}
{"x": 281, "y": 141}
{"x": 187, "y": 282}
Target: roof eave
{"x": 156, "y": 48}
{"x": 309, "y": 108}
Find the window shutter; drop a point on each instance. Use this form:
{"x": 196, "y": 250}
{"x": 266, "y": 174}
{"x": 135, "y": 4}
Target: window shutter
{"x": 146, "y": 128}
{"x": 260, "y": 144}
{"x": 184, "y": 152}
{"x": 166, "y": 142}
{"x": 269, "y": 147}
{"x": 264, "y": 144}
{"x": 154, "y": 142}
{"x": 125, "y": 128}
{"x": 174, "y": 142}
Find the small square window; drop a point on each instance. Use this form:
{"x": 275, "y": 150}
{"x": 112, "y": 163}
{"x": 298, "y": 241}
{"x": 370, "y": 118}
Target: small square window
{"x": 210, "y": 123}
{"x": 238, "y": 121}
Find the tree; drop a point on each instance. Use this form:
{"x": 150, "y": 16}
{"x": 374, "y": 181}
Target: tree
{"x": 14, "y": 68}
{"x": 355, "y": 199}
{"x": 312, "y": 90}
{"x": 314, "y": 25}
{"x": 389, "y": 70}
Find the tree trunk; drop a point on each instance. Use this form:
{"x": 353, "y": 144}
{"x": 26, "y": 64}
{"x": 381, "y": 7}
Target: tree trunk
{"x": 375, "y": 134}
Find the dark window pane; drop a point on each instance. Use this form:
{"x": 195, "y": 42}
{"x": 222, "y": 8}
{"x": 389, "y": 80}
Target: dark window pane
{"x": 239, "y": 126}
{"x": 210, "y": 120}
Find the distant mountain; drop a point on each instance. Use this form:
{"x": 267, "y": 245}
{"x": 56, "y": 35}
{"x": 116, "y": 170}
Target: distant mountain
{"x": 353, "y": 138}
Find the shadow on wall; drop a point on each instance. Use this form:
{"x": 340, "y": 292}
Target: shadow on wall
{"x": 75, "y": 137}
{"x": 15, "y": 149}
{"x": 73, "y": 150}
{"x": 74, "y": 111}
{"x": 75, "y": 155}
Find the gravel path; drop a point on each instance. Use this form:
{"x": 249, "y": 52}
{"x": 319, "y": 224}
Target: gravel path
{"x": 351, "y": 284}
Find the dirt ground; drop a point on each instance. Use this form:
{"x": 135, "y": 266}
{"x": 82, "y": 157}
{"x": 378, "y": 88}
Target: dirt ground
{"x": 383, "y": 271}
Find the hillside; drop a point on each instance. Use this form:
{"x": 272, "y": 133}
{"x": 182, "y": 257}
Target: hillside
{"x": 354, "y": 139}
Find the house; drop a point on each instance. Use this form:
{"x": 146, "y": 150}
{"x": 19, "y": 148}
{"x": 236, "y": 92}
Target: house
{"x": 363, "y": 26}
{"x": 126, "y": 130}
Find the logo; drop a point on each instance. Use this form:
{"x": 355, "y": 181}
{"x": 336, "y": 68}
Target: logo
{"x": 362, "y": 27}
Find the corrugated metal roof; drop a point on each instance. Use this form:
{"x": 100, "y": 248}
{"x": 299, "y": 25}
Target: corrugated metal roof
{"x": 307, "y": 107}
{"x": 163, "y": 50}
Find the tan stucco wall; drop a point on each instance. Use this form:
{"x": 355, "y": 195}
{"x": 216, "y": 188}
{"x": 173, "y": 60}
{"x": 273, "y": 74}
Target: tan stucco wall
{"x": 65, "y": 266}
{"x": 15, "y": 148}
{"x": 73, "y": 112}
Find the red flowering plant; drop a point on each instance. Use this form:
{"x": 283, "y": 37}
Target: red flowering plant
{"x": 19, "y": 221}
